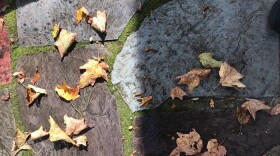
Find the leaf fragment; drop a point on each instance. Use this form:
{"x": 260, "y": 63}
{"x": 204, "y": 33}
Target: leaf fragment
{"x": 20, "y": 76}
{"x": 81, "y": 13}
{"x": 81, "y": 140}
{"x": 67, "y": 92}
{"x": 19, "y": 143}
{"x": 99, "y": 22}
{"x": 33, "y": 93}
{"x": 36, "y": 77}
{"x": 215, "y": 149}
{"x": 230, "y": 77}
{"x": 242, "y": 116}
{"x": 212, "y": 103}
{"x": 56, "y": 30}
{"x": 275, "y": 110}
{"x": 94, "y": 69}
{"x": 177, "y": 92}
{"x": 207, "y": 60}
{"x": 74, "y": 126}
{"x": 253, "y": 105}
{"x": 38, "y": 133}
{"x": 192, "y": 78}
{"x": 64, "y": 41}
{"x": 145, "y": 100}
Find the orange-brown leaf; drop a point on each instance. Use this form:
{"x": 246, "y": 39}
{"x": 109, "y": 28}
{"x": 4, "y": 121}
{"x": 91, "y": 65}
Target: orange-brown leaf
{"x": 67, "y": 92}
{"x": 230, "y": 77}
{"x": 253, "y": 105}
{"x": 33, "y": 93}
{"x": 74, "y": 126}
{"x": 99, "y": 22}
{"x": 275, "y": 110}
{"x": 177, "y": 92}
{"x": 64, "y": 41}
{"x": 193, "y": 77}
{"x": 20, "y": 76}
{"x": 145, "y": 100}
{"x": 36, "y": 77}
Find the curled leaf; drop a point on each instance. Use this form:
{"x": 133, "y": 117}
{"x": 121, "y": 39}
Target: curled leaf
{"x": 193, "y": 77}
{"x": 242, "y": 115}
{"x": 230, "y": 77}
{"x": 33, "y": 93}
{"x": 145, "y": 100}
{"x": 64, "y": 41}
{"x": 275, "y": 110}
{"x": 99, "y": 22}
{"x": 34, "y": 79}
{"x": 74, "y": 126}
{"x": 207, "y": 61}
{"x": 57, "y": 134}
{"x": 38, "y": 134}
{"x": 177, "y": 92}
{"x": 56, "y": 30}
{"x": 67, "y": 92}
{"x": 94, "y": 69}
{"x": 81, "y": 140}
{"x": 81, "y": 13}
{"x": 20, "y": 76}
{"x": 253, "y": 105}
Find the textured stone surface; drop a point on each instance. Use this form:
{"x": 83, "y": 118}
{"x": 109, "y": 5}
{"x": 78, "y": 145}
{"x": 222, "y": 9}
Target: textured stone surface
{"x": 5, "y": 60}
{"x": 154, "y": 133}
{"x": 8, "y": 126}
{"x": 96, "y": 103}
{"x": 35, "y": 19}
{"x": 235, "y": 31}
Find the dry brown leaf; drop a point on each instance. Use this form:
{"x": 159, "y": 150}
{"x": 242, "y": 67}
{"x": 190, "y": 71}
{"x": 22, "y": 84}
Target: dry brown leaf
{"x": 20, "y": 76}
{"x": 177, "y": 92}
{"x": 193, "y": 77}
{"x": 190, "y": 144}
{"x": 38, "y": 134}
{"x": 99, "y": 22}
{"x": 253, "y": 105}
{"x": 212, "y": 103}
{"x": 36, "y": 77}
{"x": 138, "y": 93}
{"x": 81, "y": 13}
{"x": 19, "y": 143}
{"x": 94, "y": 70}
{"x": 81, "y": 140}
{"x": 145, "y": 100}
{"x": 64, "y": 41}
{"x": 74, "y": 126}
{"x": 214, "y": 149}
{"x": 33, "y": 93}
{"x": 67, "y": 92}
{"x": 230, "y": 77}
{"x": 57, "y": 134}
{"x": 275, "y": 110}
{"x": 242, "y": 115}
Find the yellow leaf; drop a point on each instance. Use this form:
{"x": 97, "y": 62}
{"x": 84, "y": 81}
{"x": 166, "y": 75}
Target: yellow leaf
{"x": 94, "y": 70}
{"x": 81, "y": 13}
{"x": 56, "y": 30}
{"x": 67, "y": 92}
{"x": 64, "y": 41}
{"x": 20, "y": 142}
{"x": 99, "y": 22}
{"x": 81, "y": 140}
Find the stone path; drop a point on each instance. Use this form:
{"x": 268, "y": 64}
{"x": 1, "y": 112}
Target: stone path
{"x": 154, "y": 133}
{"x": 179, "y": 33}
{"x": 35, "y": 19}
{"x": 97, "y": 104}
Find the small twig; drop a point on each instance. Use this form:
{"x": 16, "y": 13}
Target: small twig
{"x": 23, "y": 85}
{"x": 211, "y": 91}
{"x": 223, "y": 140}
{"x": 76, "y": 109}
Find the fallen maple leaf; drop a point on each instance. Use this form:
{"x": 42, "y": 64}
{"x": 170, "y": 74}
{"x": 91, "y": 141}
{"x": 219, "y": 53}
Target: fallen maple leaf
{"x": 94, "y": 70}
{"x": 242, "y": 115}
{"x": 74, "y": 126}
{"x": 81, "y": 13}
{"x": 207, "y": 61}
{"x": 230, "y": 77}
{"x": 57, "y": 134}
{"x": 214, "y": 149}
{"x": 145, "y": 100}
{"x": 99, "y": 22}
{"x": 81, "y": 140}
{"x": 190, "y": 144}
{"x": 275, "y": 110}
{"x": 34, "y": 79}
{"x": 56, "y": 30}
{"x": 19, "y": 143}
{"x": 193, "y": 77}
{"x": 177, "y": 92}
{"x": 253, "y": 105}
{"x": 64, "y": 41}
{"x": 67, "y": 92}
{"x": 38, "y": 134}
{"x": 33, "y": 93}
{"x": 20, "y": 76}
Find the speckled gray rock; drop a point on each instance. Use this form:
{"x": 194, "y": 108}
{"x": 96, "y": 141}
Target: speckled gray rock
{"x": 235, "y": 31}
{"x": 96, "y": 103}
{"x": 8, "y": 126}
{"x": 35, "y": 19}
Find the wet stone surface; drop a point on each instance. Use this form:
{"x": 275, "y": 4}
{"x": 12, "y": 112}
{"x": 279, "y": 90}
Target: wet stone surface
{"x": 35, "y": 19}
{"x": 179, "y": 32}
{"x": 96, "y": 103}
{"x": 8, "y": 126}
{"x": 156, "y": 134}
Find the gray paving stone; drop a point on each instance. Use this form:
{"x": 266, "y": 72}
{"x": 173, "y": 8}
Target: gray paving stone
{"x": 35, "y": 19}
{"x": 96, "y": 103}
{"x": 8, "y": 126}
{"x": 235, "y": 31}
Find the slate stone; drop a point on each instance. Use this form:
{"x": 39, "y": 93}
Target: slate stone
{"x": 96, "y": 103}
{"x": 35, "y": 19}
{"x": 155, "y": 134}
{"x": 235, "y": 31}
{"x": 8, "y": 126}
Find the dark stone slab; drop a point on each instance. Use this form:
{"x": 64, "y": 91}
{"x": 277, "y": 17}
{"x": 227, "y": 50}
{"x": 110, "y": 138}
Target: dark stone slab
{"x": 179, "y": 32}
{"x": 155, "y": 135}
{"x": 96, "y": 103}
{"x": 35, "y": 19}
{"x": 8, "y": 126}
